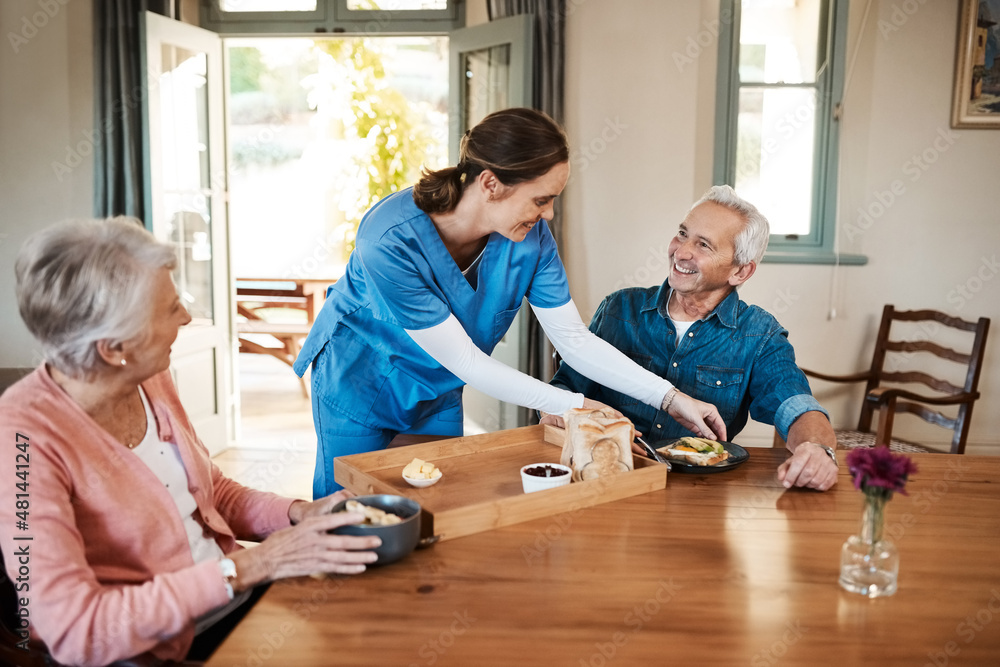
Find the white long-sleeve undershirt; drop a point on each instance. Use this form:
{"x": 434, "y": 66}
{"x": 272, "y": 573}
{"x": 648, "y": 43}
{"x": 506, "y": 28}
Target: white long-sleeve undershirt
{"x": 450, "y": 346}
{"x": 597, "y": 359}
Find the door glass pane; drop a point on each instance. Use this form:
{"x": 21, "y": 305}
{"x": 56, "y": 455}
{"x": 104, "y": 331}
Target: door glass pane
{"x": 267, "y": 5}
{"x": 774, "y": 154}
{"x": 779, "y": 41}
{"x": 320, "y": 130}
{"x": 487, "y": 82}
{"x": 397, "y": 5}
{"x": 185, "y": 172}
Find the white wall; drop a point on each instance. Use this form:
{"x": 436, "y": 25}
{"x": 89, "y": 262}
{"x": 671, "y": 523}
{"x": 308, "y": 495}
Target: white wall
{"x": 46, "y": 75}
{"x": 641, "y": 125}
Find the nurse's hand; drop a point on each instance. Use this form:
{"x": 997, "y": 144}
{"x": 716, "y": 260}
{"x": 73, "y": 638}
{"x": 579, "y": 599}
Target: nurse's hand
{"x": 588, "y": 404}
{"x": 697, "y": 416}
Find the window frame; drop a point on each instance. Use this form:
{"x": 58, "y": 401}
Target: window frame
{"x": 819, "y": 246}
{"x": 332, "y": 16}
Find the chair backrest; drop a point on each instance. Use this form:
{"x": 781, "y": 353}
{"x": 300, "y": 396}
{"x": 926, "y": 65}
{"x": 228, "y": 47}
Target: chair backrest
{"x": 889, "y": 366}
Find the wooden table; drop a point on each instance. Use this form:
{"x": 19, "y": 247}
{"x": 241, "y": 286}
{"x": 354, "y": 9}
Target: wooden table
{"x": 719, "y": 569}
{"x": 254, "y": 295}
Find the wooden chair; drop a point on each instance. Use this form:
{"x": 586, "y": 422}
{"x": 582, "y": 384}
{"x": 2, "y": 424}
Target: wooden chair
{"x": 890, "y": 366}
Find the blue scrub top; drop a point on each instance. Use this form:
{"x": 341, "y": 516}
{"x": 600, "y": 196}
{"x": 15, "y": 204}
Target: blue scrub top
{"x": 401, "y": 276}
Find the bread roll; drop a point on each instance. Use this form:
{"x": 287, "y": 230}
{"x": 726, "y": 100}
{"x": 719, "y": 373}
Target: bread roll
{"x": 598, "y": 444}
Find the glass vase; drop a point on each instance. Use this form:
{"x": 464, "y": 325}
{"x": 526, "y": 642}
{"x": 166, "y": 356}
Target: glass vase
{"x": 869, "y": 564}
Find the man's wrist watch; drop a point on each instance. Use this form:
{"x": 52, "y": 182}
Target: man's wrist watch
{"x": 228, "y": 569}
{"x": 830, "y": 451}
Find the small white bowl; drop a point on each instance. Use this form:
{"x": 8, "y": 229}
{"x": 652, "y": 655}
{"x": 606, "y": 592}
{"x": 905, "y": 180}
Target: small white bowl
{"x": 531, "y": 483}
{"x": 422, "y": 483}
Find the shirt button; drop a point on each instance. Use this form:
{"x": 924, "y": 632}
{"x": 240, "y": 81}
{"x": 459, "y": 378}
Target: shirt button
{"x": 718, "y": 382}
{"x": 690, "y": 335}
{"x": 675, "y": 364}
{"x": 658, "y": 426}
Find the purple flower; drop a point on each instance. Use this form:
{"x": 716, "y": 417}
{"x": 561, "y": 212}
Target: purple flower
{"x": 877, "y": 470}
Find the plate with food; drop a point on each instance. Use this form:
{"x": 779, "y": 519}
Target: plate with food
{"x": 701, "y": 455}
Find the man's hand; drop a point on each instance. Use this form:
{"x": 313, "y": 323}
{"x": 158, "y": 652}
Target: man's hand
{"x": 699, "y": 417}
{"x": 810, "y": 467}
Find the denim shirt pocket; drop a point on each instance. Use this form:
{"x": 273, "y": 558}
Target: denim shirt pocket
{"x": 722, "y": 387}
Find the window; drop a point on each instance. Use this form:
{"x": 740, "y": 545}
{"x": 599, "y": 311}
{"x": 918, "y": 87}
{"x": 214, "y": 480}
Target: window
{"x": 781, "y": 77}
{"x": 300, "y": 17}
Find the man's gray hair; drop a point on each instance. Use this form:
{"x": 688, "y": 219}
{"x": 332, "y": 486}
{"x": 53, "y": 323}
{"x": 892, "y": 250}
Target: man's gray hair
{"x": 82, "y": 281}
{"x": 751, "y": 242}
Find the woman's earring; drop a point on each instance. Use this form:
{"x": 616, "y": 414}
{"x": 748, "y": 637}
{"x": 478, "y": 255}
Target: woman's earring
{"x": 123, "y": 361}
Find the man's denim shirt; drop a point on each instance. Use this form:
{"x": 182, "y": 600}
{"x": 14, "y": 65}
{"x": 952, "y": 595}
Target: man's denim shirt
{"x": 738, "y": 359}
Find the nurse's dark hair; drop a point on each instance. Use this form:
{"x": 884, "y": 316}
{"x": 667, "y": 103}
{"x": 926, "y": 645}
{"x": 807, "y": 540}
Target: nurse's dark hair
{"x": 517, "y": 145}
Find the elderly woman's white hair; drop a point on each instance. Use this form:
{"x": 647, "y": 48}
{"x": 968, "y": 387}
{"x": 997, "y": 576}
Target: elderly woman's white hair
{"x": 82, "y": 281}
{"x": 751, "y": 242}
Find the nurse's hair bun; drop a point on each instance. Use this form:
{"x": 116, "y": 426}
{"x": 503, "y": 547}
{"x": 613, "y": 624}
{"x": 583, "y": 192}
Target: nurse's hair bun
{"x": 517, "y": 145}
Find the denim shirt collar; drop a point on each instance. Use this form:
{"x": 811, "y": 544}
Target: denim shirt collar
{"x": 726, "y": 312}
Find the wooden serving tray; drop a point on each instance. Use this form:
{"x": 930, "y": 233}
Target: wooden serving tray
{"x": 481, "y": 484}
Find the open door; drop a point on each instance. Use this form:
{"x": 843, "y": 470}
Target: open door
{"x": 186, "y": 206}
{"x": 490, "y": 69}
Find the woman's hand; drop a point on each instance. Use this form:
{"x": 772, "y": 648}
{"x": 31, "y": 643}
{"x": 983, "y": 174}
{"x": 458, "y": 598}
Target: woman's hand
{"x": 697, "y": 416}
{"x": 588, "y": 404}
{"x": 305, "y": 548}
{"x": 303, "y": 509}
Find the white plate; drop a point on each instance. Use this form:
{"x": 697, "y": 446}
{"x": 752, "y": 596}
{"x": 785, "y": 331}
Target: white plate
{"x": 422, "y": 483}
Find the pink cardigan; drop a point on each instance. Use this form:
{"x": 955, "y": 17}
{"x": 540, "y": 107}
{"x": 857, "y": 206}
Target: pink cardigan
{"x": 109, "y": 570}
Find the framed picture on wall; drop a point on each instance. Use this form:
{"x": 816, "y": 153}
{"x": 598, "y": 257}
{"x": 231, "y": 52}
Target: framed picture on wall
{"x": 976, "y": 95}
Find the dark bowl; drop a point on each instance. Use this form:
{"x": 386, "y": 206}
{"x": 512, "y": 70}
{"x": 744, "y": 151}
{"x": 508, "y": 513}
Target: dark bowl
{"x": 398, "y": 540}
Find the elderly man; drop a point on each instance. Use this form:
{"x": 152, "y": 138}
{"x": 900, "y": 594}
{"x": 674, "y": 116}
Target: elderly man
{"x": 694, "y": 331}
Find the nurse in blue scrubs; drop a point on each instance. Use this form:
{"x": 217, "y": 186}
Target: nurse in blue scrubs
{"x": 437, "y": 275}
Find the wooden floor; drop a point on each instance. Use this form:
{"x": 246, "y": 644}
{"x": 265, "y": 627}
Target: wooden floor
{"x": 276, "y": 442}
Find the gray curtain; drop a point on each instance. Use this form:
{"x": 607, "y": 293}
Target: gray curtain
{"x": 547, "y": 96}
{"x": 119, "y": 94}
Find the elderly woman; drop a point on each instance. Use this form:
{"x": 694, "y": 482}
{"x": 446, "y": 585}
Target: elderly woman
{"x": 132, "y": 528}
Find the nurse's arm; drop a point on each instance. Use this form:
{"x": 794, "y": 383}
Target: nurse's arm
{"x": 451, "y": 346}
{"x": 597, "y": 359}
